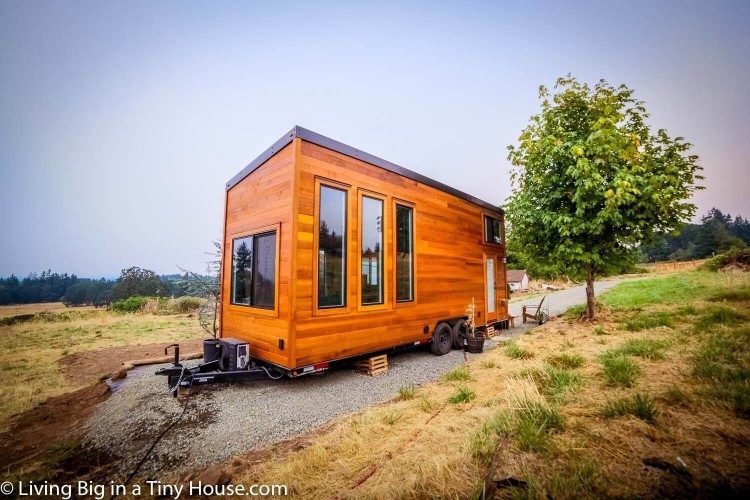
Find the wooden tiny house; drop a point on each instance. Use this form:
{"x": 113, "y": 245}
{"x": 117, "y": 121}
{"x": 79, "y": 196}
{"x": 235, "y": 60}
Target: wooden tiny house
{"x": 330, "y": 252}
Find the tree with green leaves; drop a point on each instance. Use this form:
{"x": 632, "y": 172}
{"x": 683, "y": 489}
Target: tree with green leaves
{"x": 137, "y": 281}
{"x": 591, "y": 181}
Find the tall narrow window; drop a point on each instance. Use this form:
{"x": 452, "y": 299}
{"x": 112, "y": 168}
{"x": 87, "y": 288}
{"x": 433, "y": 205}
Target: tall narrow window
{"x": 404, "y": 253}
{"x": 264, "y": 270}
{"x": 492, "y": 230}
{"x": 254, "y": 270}
{"x": 332, "y": 248}
{"x": 242, "y": 270}
{"x": 372, "y": 250}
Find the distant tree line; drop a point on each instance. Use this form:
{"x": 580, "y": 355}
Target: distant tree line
{"x": 75, "y": 291}
{"x": 716, "y": 233}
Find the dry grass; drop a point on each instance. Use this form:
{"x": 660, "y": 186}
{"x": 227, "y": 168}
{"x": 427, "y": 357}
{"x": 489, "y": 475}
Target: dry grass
{"x": 561, "y": 446}
{"x": 15, "y": 310}
{"x": 29, "y": 351}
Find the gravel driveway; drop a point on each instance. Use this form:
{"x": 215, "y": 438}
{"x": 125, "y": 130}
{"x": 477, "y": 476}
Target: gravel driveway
{"x": 228, "y": 419}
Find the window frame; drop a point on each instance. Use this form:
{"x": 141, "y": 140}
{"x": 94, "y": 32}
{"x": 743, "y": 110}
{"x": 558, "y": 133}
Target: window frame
{"x": 413, "y": 301}
{"x": 385, "y": 224}
{"x": 347, "y": 189}
{"x": 485, "y": 216}
{"x": 250, "y": 308}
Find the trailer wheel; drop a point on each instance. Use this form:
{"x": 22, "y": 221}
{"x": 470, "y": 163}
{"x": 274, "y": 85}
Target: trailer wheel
{"x": 442, "y": 338}
{"x": 458, "y": 334}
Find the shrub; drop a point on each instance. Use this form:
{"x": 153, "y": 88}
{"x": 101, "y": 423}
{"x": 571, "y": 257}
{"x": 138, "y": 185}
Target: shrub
{"x": 406, "y": 392}
{"x": 130, "y": 305}
{"x": 513, "y": 350}
{"x": 566, "y": 361}
{"x": 735, "y": 257}
{"x": 644, "y": 321}
{"x": 185, "y": 304}
{"x": 463, "y": 395}
{"x": 459, "y": 374}
{"x": 619, "y": 370}
{"x": 640, "y": 406}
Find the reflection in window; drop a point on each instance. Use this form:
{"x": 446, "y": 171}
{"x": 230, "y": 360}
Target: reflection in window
{"x": 492, "y": 230}
{"x": 254, "y": 270}
{"x": 242, "y": 267}
{"x": 404, "y": 254}
{"x": 332, "y": 248}
{"x": 264, "y": 270}
{"x": 372, "y": 250}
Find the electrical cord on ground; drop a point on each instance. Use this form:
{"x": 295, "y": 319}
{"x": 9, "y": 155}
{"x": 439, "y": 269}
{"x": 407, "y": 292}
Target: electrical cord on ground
{"x": 269, "y": 373}
{"x": 164, "y": 432}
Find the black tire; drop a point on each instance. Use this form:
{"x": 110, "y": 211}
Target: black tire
{"x": 442, "y": 338}
{"x": 458, "y": 332}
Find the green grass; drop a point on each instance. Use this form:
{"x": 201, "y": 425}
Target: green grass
{"x": 458, "y": 374}
{"x": 647, "y": 320}
{"x": 392, "y": 417}
{"x": 427, "y": 405}
{"x": 488, "y": 363}
{"x": 720, "y": 315}
{"x": 722, "y": 362}
{"x": 463, "y": 395}
{"x": 673, "y": 289}
{"x": 642, "y": 348}
{"x": 554, "y": 382}
{"x": 619, "y": 370}
{"x": 676, "y": 396}
{"x": 640, "y": 406}
{"x": 406, "y": 392}
{"x": 483, "y": 440}
{"x": 535, "y": 422}
{"x": 737, "y": 295}
{"x": 566, "y": 361}
{"x": 513, "y": 350}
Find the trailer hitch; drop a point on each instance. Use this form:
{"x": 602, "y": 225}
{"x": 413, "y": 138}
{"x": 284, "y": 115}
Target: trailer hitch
{"x": 176, "y": 361}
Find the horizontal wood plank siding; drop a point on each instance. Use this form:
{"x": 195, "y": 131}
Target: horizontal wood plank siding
{"x": 449, "y": 248}
{"x": 262, "y": 199}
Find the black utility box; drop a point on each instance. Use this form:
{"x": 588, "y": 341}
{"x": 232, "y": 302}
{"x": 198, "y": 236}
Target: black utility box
{"x": 235, "y": 354}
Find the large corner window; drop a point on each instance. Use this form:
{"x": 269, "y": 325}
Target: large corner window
{"x": 492, "y": 231}
{"x": 404, "y": 253}
{"x": 254, "y": 270}
{"x": 332, "y": 248}
{"x": 372, "y": 251}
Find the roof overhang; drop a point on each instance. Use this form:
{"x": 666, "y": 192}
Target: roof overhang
{"x": 326, "y": 142}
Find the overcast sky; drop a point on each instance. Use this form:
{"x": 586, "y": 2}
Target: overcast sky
{"x": 120, "y": 122}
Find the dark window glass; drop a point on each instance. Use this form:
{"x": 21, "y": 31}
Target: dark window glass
{"x": 492, "y": 230}
{"x": 242, "y": 270}
{"x": 254, "y": 270}
{"x": 404, "y": 254}
{"x": 372, "y": 250}
{"x": 332, "y": 248}
{"x": 264, "y": 270}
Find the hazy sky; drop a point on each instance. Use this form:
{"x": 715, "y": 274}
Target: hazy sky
{"x": 120, "y": 122}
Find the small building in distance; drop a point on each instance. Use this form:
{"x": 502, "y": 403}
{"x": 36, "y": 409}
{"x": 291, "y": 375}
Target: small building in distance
{"x": 518, "y": 280}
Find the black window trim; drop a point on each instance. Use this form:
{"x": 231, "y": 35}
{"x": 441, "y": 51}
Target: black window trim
{"x": 485, "y": 218}
{"x": 411, "y": 245}
{"x": 252, "y": 275}
{"x": 345, "y": 238}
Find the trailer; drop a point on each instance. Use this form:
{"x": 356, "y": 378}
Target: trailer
{"x": 332, "y": 253}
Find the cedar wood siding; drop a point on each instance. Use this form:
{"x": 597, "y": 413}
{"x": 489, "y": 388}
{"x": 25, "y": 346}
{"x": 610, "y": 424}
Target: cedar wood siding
{"x": 449, "y": 257}
{"x": 260, "y": 201}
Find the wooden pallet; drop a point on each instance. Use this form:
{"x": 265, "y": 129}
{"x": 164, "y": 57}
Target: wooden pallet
{"x": 376, "y": 365}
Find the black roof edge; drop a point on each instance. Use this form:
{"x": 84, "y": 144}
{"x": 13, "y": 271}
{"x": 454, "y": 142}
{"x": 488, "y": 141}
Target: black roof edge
{"x": 326, "y": 142}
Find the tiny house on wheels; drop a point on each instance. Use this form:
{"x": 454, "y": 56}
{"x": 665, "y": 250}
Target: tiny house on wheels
{"x": 332, "y": 253}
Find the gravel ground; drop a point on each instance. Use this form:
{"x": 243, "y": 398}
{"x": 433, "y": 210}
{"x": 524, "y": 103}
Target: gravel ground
{"x": 228, "y": 419}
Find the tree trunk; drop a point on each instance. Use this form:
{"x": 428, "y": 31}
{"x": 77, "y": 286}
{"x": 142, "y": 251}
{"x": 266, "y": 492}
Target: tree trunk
{"x": 590, "y": 303}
